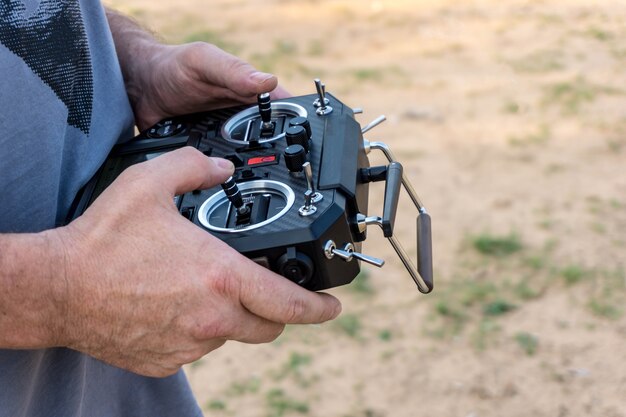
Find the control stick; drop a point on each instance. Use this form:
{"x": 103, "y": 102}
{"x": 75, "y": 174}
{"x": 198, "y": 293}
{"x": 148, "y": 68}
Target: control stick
{"x": 265, "y": 110}
{"x": 234, "y": 196}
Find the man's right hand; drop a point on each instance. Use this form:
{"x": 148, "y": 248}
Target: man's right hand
{"x": 148, "y": 291}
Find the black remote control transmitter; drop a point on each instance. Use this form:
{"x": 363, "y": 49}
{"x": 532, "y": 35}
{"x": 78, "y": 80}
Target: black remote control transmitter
{"x": 298, "y": 200}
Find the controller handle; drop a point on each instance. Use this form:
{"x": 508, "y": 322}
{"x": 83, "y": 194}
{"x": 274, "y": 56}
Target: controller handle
{"x": 424, "y": 238}
{"x": 425, "y": 249}
{"x": 392, "y": 195}
{"x": 393, "y": 177}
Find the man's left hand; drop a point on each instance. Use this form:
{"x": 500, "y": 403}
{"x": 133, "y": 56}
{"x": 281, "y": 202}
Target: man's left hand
{"x": 194, "y": 77}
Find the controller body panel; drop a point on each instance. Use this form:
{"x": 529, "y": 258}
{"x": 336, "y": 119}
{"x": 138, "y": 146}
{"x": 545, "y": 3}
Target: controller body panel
{"x": 290, "y": 243}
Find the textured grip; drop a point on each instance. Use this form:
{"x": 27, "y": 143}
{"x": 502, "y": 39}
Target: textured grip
{"x": 425, "y": 249}
{"x": 392, "y": 195}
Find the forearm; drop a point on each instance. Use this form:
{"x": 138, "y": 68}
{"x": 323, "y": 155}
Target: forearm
{"x": 134, "y": 46}
{"x": 32, "y": 290}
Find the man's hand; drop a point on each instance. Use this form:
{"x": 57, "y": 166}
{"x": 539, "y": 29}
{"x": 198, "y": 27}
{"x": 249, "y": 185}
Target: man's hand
{"x": 194, "y": 77}
{"x": 149, "y": 291}
{"x": 167, "y": 80}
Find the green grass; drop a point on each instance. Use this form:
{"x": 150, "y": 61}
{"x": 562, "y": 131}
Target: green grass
{"x": 609, "y": 296}
{"x": 389, "y": 75}
{"x": 465, "y": 301}
{"x": 539, "y": 62}
{"x": 368, "y": 74}
{"x": 285, "y": 48}
{"x": 605, "y": 309}
{"x": 528, "y": 342}
{"x": 249, "y": 386}
{"x": 599, "y": 34}
{"x": 498, "y": 307}
{"x": 485, "y": 334}
{"x": 349, "y": 324}
{"x": 215, "y": 405}
{"x": 279, "y": 404}
{"x": 316, "y": 48}
{"x": 471, "y": 293}
{"x": 573, "y": 274}
{"x": 362, "y": 284}
{"x": 511, "y": 107}
{"x": 615, "y": 145}
{"x": 454, "y": 317}
{"x": 294, "y": 365}
{"x": 570, "y": 96}
{"x": 385, "y": 335}
{"x": 497, "y": 246}
{"x": 524, "y": 291}
{"x": 296, "y": 370}
{"x": 536, "y": 262}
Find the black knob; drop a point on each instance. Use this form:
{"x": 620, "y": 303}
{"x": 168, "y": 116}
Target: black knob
{"x": 304, "y": 122}
{"x": 265, "y": 107}
{"x": 296, "y": 135}
{"x": 295, "y": 156}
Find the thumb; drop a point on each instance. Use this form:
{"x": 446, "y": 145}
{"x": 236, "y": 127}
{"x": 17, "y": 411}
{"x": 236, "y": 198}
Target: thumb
{"x": 187, "y": 169}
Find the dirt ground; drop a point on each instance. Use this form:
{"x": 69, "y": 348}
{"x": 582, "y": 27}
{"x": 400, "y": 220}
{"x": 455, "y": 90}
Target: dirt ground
{"x": 510, "y": 119}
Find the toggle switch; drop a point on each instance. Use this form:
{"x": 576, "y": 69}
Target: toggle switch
{"x": 347, "y": 253}
{"x": 321, "y": 102}
{"x": 308, "y": 174}
{"x": 308, "y": 208}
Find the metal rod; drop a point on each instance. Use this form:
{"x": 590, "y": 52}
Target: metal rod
{"x": 404, "y": 257}
{"x": 373, "y": 124}
{"x": 405, "y": 181}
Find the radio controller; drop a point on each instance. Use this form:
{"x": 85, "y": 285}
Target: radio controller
{"x": 298, "y": 200}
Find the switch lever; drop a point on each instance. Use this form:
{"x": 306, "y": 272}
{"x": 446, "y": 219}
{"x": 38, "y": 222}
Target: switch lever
{"x": 321, "y": 102}
{"x": 347, "y": 253}
{"x": 308, "y": 174}
{"x": 308, "y": 208}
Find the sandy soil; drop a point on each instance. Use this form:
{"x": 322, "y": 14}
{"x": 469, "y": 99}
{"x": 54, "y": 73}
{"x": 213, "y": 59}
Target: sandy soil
{"x": 510, "y": 118}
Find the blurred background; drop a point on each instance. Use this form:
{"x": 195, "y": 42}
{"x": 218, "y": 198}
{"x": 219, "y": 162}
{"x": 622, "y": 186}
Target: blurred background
{"x": 510, "y": 119}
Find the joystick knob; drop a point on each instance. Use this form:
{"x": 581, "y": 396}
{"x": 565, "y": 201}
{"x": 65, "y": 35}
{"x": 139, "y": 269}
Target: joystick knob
{"x": 265, "y": 109}
{"x": 296, "y": 135}
{"x": 295, "y": 157}
{"x": 234, "y": 195}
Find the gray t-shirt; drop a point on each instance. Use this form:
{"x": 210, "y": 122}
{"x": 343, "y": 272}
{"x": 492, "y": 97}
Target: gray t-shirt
{"x": 62, "y": 107}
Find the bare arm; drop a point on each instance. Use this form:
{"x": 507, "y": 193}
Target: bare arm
{"x": 32, "y": 290}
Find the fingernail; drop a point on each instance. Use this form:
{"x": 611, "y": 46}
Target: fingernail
{"x": 260, "y": 77}
{"x": 224, "y": 164}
